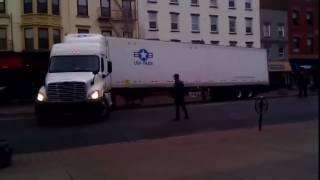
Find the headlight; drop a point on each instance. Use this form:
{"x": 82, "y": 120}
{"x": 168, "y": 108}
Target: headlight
{"x": 40, "y": 97}
{"x": 94, "y": 95}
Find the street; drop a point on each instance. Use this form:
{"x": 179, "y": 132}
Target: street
{"x": 25, "y": 136}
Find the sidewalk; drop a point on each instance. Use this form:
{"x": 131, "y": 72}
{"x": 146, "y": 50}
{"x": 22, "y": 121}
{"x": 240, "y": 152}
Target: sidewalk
{"x": 280, "y": 152}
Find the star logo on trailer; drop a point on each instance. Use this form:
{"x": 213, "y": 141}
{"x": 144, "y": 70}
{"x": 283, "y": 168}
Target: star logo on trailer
{"x": 143, "y": 55}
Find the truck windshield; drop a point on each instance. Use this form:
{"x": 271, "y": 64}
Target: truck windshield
{"x": 74, "y": 64}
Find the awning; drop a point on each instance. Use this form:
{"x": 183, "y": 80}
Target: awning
{"x": 279, "y": 66}
{"x": 304, "y": 64}
{"x": 11, "y": 61}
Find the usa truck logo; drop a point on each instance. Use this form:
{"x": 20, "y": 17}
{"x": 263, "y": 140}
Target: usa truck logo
{"x": 144, "y": 57}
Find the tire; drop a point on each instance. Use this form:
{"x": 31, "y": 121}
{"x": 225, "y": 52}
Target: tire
{"x": 105, "y": 114}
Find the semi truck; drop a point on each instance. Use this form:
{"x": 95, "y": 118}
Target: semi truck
{"x": 87, "y": 71}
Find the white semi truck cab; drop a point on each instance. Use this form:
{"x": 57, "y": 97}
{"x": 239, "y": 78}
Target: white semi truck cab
{"x": 78, "y": 78}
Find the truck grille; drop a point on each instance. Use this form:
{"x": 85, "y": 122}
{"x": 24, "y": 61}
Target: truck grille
{"x": 67, "y": 92}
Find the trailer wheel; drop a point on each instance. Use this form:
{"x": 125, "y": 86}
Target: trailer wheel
{"x": 239, "y": 94}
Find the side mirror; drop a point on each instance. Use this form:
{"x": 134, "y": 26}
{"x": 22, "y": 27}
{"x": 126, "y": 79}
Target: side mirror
{"x": 109, "y": 67}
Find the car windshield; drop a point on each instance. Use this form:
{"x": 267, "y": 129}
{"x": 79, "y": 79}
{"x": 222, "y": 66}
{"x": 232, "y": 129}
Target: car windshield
{"x": 74, "y": 64}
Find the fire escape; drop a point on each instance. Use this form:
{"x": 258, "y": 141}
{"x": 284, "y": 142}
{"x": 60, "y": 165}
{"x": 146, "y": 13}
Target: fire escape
{"x": 121, "y": 17}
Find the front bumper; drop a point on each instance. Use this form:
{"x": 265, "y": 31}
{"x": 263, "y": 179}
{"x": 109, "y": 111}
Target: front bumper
{"x": 78, "y": 108}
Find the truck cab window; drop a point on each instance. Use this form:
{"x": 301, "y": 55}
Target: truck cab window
{"x": 74, "y": 64}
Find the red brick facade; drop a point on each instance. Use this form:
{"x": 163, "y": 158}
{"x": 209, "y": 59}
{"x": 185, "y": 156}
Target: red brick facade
{"x": 298, "y": 13}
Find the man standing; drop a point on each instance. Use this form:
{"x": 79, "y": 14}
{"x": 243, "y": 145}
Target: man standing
{"x": 178, "y": 95}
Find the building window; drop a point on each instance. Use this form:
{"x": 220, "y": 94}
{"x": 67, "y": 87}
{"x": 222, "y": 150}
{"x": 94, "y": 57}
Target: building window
{"x": 126, "y": 8}
{"x": 28, "y": 38}
{"x": 197, "y": 42}
{"x": 296, "y": 44}
{"x": 249, "y": 26}
{"x": 174, "y": 21}
{"x": 232, "y": 4}
{"x": 105, "y": 8}
{"x": 309, "y": 18}
{"x": 214, "y": 24}
{"x": 194, "y": 2}
{"x": 248, "y": 5}
{"x": 232, "y": 25}
{"x": 195, "y": 23}
{"x": 56, "y": 7}
{"x": 233, "y": 43}
{"x": 27, "y": 6}
{"x": 3, "y": 38}
{"x": 281, "y": 52}
{"x": 82, "y": 7}
{"x": 310, "y": 45}
{"x": 43, "y": 38}
{"x": 249, "y": 44}
{"x": 152, "y": 1}
{"x": 175, "y": 40}
{"x": 127, "y": 34}
{"x": 42, "y": 6}
{"x": 267, "y": 30}
{"x": 83, "y": 31}
{"x": 2, "y": 6}
{"x": 268, "y": 49}
{"x": 214, "y": 3}
{"x": 174, "y": 2}
{"x": 153, "y": 25}
{"x": 106, "y": 33}
{"x": 215, "y": 43}
{"x": 56, "y": 36}
{"x": 281, "y": 30}
{"x": 295, "y": 17}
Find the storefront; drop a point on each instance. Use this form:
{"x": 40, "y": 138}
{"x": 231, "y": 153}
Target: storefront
{"x": 309, "y": 66}
{"x": 280, "y": 74}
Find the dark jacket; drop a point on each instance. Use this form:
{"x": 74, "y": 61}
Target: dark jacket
{"x": 179, "y": 91}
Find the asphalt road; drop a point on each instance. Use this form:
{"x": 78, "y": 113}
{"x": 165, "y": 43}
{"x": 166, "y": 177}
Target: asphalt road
{"x": 132, "y": 125}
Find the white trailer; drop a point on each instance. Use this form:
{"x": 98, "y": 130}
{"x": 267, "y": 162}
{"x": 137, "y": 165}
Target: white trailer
{"x": 149, "y": 65}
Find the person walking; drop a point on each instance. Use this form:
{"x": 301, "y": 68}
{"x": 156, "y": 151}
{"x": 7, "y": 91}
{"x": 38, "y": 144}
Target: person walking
{"x": 178, "y": 95}
{"x": 303, "y": 82}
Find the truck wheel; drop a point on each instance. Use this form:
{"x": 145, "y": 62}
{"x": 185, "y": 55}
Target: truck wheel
{"x": 105, "y": 114}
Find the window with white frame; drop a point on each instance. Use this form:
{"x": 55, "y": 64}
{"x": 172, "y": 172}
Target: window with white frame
{"x": 194, "y": 2}
{"x": 249, "y": 44}
{"x": 174, "y": 21}
{"x": 232, "y": 4}
{"x": 233, "y": 43}
{"x": 249, "y": 25}
{"x": 295, "y": 17}
{"x": 28, "y": 38}
{"x": 296, "y": 44}
{"x": 214, "y": 3}
{"x": 3, "y": 38}
{"x": 174, "y": 2}
{"x": 281, "y": 52}
{"x": 310, "y": 44}
{"x": 266, "y": 30}
{"x": 195, "y": 22}
{"x": 152, "y": 1}
{"x": 153, "y": 25}
{"x": 214, "y": 23}
{"x": 281, "y": 31}
{"x": 2, "y": 6}
{"x": 248, "y": 4}
{"x": 232, "y": 25}
{"x": 309, "y": 18}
